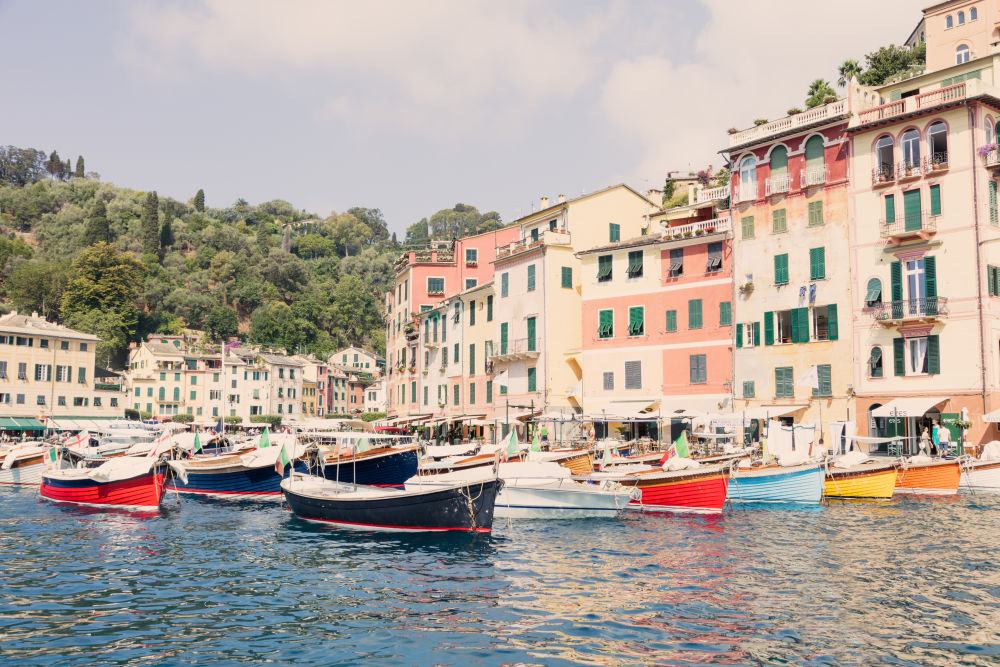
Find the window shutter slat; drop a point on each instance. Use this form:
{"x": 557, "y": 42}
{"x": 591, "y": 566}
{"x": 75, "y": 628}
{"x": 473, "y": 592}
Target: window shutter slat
{"x": 890, "y": 209}
{"x": 933, "y": 355}
{"x": 831, "y": 318}
{"x": 769, "y": 328}
{"x": 899, "y": 356}
{"x": 935, "y": 200}
{"x": 930, "y": 284}
{"x": 896, "y": 282}
{"x": 739, "y": 335}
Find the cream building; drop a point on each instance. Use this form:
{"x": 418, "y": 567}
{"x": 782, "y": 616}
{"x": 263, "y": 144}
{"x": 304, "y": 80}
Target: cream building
{"x": 375, "y": 396}
{"x": 359, "y": 359}
{"x": 537, "y": 346}
{"x": 47, "y": 370}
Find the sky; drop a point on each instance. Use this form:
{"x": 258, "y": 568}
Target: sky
{"x": 413, "y": 106}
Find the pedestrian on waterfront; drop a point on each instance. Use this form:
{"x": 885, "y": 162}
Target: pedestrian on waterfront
{"x": 544, "y": 433}
{"x": 944, "y": 438}
{"x": 925, "y": 441}
{"x": 936, "y": 436}
{"x": 593, "y": 434}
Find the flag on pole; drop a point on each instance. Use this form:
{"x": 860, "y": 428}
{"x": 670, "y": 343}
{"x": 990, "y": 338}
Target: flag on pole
{"x": 53, "y": 454}
{"x": 512, "y": 445}
{"x": 681, "y": 445}
{"x": 606, "y": 458}
{"x": 282, "y": 461}
{"x": 363, "y": 445}
{"x": 82, "y": 438}
{"x": 197, "y": 444}
{"x": 218, "y": 427}
{"x": 810, "y": 379}
{"x": 535, "y": 445}
{"x": 265, "y": 440}
{"x": 669, "y": 454}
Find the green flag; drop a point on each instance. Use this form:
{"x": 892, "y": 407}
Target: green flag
{"x": 265, "y": 441}
{"x": 283, "y": 460}
{"x": 512, "y": 443}
{"x": 363, "y": 445}
{"x": 535, "y": 446}
{"x": 681, "y": 443}
{"x": 53, "y": 455}
{"x": 197, "y": 444}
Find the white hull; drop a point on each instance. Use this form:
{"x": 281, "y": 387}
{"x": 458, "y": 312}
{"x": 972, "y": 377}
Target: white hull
{"x": 528, "y": 503}
{"x": 980, "y": 481}
{"x": 920, "y": 491}
{"x": 29, "y": 474}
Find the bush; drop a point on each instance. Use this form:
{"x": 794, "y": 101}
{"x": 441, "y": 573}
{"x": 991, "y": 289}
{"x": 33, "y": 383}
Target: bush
{"x": 185, "y": 418}
{"x": 372, "y": 416}
{"x": 273, "y": 420}
{"x": 232, "y": 419}
{"x": 333, "y": 416}
{"x": 145, "y": 415}
{"x": 131, "y": 414}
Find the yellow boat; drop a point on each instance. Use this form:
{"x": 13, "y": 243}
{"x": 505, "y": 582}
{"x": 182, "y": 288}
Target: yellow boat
{"x": 864, "y": 480}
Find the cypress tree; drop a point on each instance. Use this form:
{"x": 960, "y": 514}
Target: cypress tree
{"x": 97, "y": 229}
{"x": 149, "y": 223}
{"x": 166, "y": 234}
{"x": 199, "y": 201}
{"x": 79, "y": 167}
{"x": 67, "y": 170}
{"x": 54, "y": 165}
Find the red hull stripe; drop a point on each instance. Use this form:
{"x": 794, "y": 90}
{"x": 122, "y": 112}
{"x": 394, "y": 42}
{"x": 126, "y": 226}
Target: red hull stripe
{"x": 701, "y": 495}
{"x": 143, "y": 491}
{"x": 376, "y": 525}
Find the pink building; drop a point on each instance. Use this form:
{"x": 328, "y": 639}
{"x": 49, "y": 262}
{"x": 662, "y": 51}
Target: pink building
{"x": 423, "y": 278}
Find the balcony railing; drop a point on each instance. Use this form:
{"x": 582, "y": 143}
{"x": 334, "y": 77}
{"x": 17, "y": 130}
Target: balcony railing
{"x": 746, "y": 192}
{"x": 927, "y": 308}
{"x": 760, "y": 132}
{"x": 928, "y": 100}
{"x": 813, "y": 176}
{"x": 516, "y": 349}
{"x": 549, "y": 237}
{"x": 777, "y": 185}
{"x": 935, "y": 162}
{"x": 883, "y": 174}
{"x": 923, "y": 224}
{"x": 705, "y": 195}
{"x": 425, "y": 257}
{"x": 992, "y": 157}
{"x": 714, "y": 226}
{"x": 908, "y": 170}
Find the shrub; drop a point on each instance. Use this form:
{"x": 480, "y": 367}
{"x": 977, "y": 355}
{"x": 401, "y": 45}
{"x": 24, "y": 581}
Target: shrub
{"x": 232, "y": 419}
{"x": 185, "y": 418}
{"x": 131, "y": 414}
{"x": 273, "y": 420}
{"x": 760, "y": 121}
{"x": 335, "y": 416}
{"x": 372, "y": 416}
{"x": 144, "y": 415}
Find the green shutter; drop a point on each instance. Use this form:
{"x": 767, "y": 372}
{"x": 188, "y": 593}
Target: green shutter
{"x": 899, "y": 356}
{"x": 531, "y": 277}
{"x": 747, "y": 224}
{"x": 817, "y": 263}
{"x": 532, "y": 379}
{"x": 800, "y": 325}
{"x": 825, "y": 383}
{"x": 614, "y": 233}
{"x": 896, "y": 286}
{"x": 531, "y": 334}
{"x": 779, "y": 221}
{"x": 694, "y": 314}
{"x": 779, "y": 161}
{"x": 991, "y": 280}
{"x": 890, "y": 209}
{"x": 725, "y": 313}
{"x": 671, "y": 320}
{"x": 472, "y": 392}
{"x": 911, "y": 210}
{"x": 489, "y": 391}
{"x": 567, "y": 277}
{"x": 831, "y": 318}
{"x": 935, "y": 200}
{"x": 748, "y": 389}
{"x": 994, "y": 216}
{"x": 815, "y": 213}
{"x": 504, "y": 284}
{"x": 604, "y": 267}
{"x": 930, "y": 284}
{"x": 503, "y": 338}
{"x": 933, "y": 355}
{"x": 605, "y": 326}
{"x": 636, "y": 324}
{"x": 472, "y": 358}
{"x": 781, "y": 269}
{"x": 769, "y": 328}
{"x": 739, "y": 335}
{"x": 814, "y": 152}
{"x": 756, "y": 333}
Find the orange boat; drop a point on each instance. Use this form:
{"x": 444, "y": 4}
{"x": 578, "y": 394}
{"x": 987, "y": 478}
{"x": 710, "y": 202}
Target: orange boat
{"x": 927, "y": 476}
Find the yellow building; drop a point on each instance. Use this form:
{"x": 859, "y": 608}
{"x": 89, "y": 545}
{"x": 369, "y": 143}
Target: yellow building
{"x": 47, "y": 370}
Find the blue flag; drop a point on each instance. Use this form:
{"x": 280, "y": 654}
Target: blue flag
{"x": 218, "y": 427}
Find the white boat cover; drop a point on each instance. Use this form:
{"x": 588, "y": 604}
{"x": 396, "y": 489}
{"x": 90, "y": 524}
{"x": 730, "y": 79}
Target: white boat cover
{"x": 915, "y": 406}
{"x": 268, "y": 456}
{"x": 991, "y": 451}
{"x": 850, "y": 459}
{"x": 442, "y": 451}
{"x": 680, "y": 463}
{"x": 21, "y": 452}
{"x": 121, "y": 467}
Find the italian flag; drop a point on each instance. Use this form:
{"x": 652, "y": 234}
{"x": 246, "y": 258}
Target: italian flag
{"x": 197, "y": 445}
{"x": 265, "y": 440}
{"x": 282, "y": 461}
{"x": 512, "y": 445}
{"x": 53, "y": 454}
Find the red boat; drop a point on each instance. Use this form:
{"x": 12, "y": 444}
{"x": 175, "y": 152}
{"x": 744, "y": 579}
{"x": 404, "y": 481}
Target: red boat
{"x": 124, "y": 482}
{"x": 701, "y": 489}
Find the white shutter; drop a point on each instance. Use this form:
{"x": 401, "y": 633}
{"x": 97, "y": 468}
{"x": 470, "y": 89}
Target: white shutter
{"x": 633, "y": 375}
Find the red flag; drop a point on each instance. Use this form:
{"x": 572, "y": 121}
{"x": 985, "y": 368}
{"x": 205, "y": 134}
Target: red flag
{"x": 669, "y": 454}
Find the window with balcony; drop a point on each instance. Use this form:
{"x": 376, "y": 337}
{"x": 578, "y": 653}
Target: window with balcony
{"x": 937, "y": 138}
{"x": 962, "y": 54}
{"x": 884, "y": 159}
{"x": 779, "y": 171}
{"x": 534, "y": 234}
{"x": 676, "y": 268}
{"x": 748, "y": 179}
{"x": 910, "y": 143}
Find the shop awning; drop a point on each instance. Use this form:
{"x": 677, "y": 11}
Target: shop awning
{"x": 908, "y": 407}
{"x": 992, "y": 417}
{"x": 27, "y": 423}
{"x": 8, "y": 424}
{"x": 771, "y": 411}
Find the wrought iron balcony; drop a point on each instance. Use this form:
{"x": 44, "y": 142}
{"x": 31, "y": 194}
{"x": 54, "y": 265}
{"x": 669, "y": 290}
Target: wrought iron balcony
{"x": 926, "y": 309}
{"x": 883, "y": 175}
{"x": 923, "y": 225}
{"x": 813, "y": 176}
{"x": 777, "y": 185}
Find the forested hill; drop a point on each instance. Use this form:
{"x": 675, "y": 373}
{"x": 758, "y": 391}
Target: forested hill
{"x": 120, "y": 263}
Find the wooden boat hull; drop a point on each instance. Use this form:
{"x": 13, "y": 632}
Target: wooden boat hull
{"x": 981, "y": 477}
{"x": 234, "y": 481}
{"x": 140, "y": 492}
{"x": 27, "y": 471}
{"x": 938, "y": 478}
{"x": 774, "y": 484}
{"x": 464, "y": 507}
{"x": 697, "y": 491}
{"x": 379, "y": 467}
{"x": 860, "y": 482}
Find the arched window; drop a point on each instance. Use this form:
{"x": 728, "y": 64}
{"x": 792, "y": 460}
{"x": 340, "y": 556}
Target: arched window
{"x": 947, "y": 22}
{"x": 779, "y": 170}
{"x": 937, "y": 139}
{"x": 989, "y": 130}
{"x": 962, "y": 54}
{"x": 815, "y": 172}
{"x": 973, "y": 14}
{"x": 875, "y": 363}
{"x": 873, "y": 294}
{"x": 884, "y": 158}
{"x": 911, "y": 148}
{"x": 961, "y": 18}
{"x": 748, "y": 179}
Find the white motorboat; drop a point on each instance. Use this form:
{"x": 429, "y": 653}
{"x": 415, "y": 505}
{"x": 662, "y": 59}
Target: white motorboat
{"x": 982, "y": 475}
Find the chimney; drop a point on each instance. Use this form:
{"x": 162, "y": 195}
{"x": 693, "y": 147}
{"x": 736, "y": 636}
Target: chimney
{"x": 562, "y": 199}
{"x": 545, "y": 203}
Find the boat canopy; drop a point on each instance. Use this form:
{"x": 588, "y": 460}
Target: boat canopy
{"x": 916, "y": 406}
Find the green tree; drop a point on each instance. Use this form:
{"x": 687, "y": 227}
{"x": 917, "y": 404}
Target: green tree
{"x": 37, "y": 286}
{"x": 9, "y": 250}
{"x": 889, "y": 61}
{"x": 222, "y": 324}
{"x": 166, "y": 235}
{"x": 819, "y": 93}
{"x": 199, "y": 201}
{"x": 374, "y": 220}
{"x": 79, "y": 173}
{"x": 150, "y": 225}
{"x": 849, "y": 68}
{"x": 54, "y": 166}
{"x": 97, "y": 229}
{"x": 21, "y": 166}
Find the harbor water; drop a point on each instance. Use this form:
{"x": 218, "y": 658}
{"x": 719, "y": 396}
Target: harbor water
{"x": 905, "y": 582}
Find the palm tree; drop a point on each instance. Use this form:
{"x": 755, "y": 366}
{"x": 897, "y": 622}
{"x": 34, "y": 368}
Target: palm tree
{"x": 849, "y": 69}
{"x": 819, "y": 92}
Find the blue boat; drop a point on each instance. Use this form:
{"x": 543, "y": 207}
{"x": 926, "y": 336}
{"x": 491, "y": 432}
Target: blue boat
{"x": 254, "y": 476}
{"x": 777, "y": 484}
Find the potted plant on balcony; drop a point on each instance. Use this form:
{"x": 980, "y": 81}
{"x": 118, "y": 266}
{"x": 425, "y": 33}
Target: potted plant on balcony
{"x": 909, "y": 169}
{"x": 746, "y": 288}
{"x": 760, "y": 121}
{"x": 687, "y": 234}
{"x": 793, "y": 111}
{"x": 699, "y": 232}
{"x": 732, "y": 130}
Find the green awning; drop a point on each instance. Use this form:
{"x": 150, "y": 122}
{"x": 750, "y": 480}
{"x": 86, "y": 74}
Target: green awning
{"x": 874, "y": 292}
{"x": 28, "y": 424}
{"x": 6, "y": 424}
